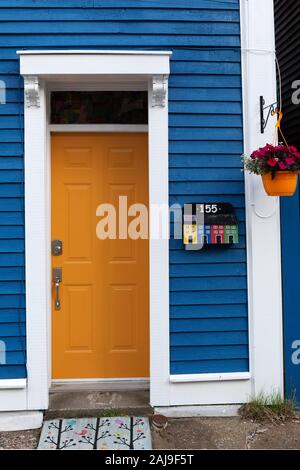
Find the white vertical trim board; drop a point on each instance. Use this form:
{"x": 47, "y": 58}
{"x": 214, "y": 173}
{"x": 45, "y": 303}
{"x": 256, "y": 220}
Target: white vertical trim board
{"x": 262, "y": 211}
{"x": 37, "y": 224}
{"x": 159, "y": 253}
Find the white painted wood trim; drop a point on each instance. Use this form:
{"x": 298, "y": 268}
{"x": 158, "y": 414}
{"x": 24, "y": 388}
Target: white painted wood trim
{"x": 262, "y": 211}
{"x": 159, "y": 252}
{"x": 98, "y": 83}
{"x": 93, "y": 52}
{"x": 106, "y": 385}
{"x": 13, "y": 399}
{"x": 209, "y": 377}
{"x": 208, "y": 393}
{"x": 100, "y": 381}
{"x": 37, "y": 242}
{"x": 97, "y": 128}
{"x": 86, "y": 63}
{"x": 12, "y": 383}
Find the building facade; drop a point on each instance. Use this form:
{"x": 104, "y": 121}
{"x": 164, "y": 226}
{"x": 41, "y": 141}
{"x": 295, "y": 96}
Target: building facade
{"x": 204, "y": 326}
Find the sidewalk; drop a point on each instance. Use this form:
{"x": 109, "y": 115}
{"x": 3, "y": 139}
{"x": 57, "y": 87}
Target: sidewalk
{"x": 197, "y": 433}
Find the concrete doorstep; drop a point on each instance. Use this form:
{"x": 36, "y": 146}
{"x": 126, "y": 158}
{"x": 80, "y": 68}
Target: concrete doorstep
{"x": 80, "y": 403}
{"x": 77, "y": 403}
{"x": 20, "y": 420}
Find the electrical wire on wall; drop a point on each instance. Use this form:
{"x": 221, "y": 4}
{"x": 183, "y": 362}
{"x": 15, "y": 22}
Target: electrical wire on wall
{"x": 277, "y": 132}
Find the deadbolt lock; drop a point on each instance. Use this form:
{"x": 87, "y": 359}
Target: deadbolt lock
{"x": 56, "y": 247}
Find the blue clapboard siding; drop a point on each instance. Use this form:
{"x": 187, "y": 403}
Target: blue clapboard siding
{"x": 208, "y": 289}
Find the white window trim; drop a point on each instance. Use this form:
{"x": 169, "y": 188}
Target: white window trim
{"x": 11, "y": 384}
{"x": 210, "y": 377}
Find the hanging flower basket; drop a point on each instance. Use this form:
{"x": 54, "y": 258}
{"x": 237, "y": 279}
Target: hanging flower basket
{"x": 282, "y": 183}
{"x": 278, "y": 166}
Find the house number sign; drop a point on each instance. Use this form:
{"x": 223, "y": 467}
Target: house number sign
{"x": 209, "y": 224}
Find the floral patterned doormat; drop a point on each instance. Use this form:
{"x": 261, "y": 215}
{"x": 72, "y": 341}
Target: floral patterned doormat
{"x": 117, "y": 433}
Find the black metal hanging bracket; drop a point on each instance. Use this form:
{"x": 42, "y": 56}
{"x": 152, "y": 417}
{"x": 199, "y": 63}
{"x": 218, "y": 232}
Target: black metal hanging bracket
{"x": 272, "y": 108}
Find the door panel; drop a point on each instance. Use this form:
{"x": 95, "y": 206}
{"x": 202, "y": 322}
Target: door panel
{"x": 102, "y": 329}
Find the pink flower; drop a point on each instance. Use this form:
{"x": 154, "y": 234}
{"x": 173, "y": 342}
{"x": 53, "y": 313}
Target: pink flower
{"x": 282, "y": 166}
{"x": 272, "y": 162}
{"x": 255, "y": 154}
{"x": 273, "y": 158}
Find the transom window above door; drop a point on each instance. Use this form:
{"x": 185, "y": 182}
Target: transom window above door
{"x": 99, "y": 107}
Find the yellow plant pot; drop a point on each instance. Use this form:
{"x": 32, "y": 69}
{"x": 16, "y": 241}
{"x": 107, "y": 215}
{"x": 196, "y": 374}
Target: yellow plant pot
{"x": 283, "y": 183}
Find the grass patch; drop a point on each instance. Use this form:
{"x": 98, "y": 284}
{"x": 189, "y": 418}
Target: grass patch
{"x": 269, "y": 408}
{"x": 111, "y": 413}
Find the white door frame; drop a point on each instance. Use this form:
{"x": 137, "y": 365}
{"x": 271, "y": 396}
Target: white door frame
{"x": 40, "y": 70}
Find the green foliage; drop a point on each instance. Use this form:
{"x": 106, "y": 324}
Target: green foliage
{"x": 269, "y": 407}
{"x": 255, "y": 166}
{"x": 111, "y": 412}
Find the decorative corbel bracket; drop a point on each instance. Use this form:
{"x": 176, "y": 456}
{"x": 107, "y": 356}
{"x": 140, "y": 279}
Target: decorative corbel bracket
{"x": 32, "y": 91}
{"x": 159, "y": 91}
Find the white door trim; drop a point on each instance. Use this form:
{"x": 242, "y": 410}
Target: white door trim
{"x": 98, "y": 128}
{"x": 104, "y": 385}
{"x": 40, "y": 69}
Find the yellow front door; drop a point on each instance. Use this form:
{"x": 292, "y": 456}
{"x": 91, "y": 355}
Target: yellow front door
{"x": 102, "y": 327}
